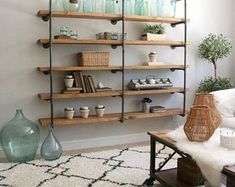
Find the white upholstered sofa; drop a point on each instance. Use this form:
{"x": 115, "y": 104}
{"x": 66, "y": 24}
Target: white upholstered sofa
{"x": 225, "y": 102}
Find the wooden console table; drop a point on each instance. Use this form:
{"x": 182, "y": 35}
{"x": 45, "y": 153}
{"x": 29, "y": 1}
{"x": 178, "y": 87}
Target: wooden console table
{"x": 168, "y": 177}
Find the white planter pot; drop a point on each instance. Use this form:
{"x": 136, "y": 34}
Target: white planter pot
{"x": 153, "y": 58}
{"x": 84, "y": 113}
{"x": 153, "y": 37}
{"x": 68, "y": 83}
{"x": 100, "y": 112}
{"x": 69, "y": 114}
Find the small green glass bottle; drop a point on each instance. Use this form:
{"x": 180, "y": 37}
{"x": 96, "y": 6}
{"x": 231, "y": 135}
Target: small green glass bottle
{"x": 20, "y": 138}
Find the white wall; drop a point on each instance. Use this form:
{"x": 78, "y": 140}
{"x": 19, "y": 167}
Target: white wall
{"x": 20, "y": 55}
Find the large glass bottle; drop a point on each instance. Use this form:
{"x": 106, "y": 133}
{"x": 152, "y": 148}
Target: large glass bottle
{"x": 166, "y": 8}
{"x": 110, "y": 6}
{"x": 20, "y": 138}
{"x": 139, "y": 7}
{"x": 71, "y": 5}
{"x": 51, "y": 148}
{"x": 87, "y": 6}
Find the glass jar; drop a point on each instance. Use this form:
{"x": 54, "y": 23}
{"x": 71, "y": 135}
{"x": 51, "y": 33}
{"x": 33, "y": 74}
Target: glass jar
{"x": 110, "y": 6}
{"x": 87, "y": 6}
{"x": 20, "y": 138}
{"x": 71, "y": 5}
{"x": 166, "y": 8}
{"x": 98, "y": 6}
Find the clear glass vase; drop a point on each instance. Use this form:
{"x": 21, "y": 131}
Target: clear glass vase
{"x": 98, "y": 6}
{"x": 166, "y": 8}
{"x": 51, "y": 148}
{"x": 71, "y": 5}
{"x": 110, "y": 6}
{"x": 139, "y": 7}
{"x": 20, "y": 138}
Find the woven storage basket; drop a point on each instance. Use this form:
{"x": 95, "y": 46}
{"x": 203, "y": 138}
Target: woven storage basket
{"x": 199, "y": 125}
{"x": 208, "y": 100}
{"x": 89, "y": 58}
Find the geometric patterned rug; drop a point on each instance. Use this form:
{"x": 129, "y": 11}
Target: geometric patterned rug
{"x": 113, "y": 168}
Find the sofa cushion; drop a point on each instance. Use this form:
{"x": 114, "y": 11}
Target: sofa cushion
{"x": 225, "y": 102}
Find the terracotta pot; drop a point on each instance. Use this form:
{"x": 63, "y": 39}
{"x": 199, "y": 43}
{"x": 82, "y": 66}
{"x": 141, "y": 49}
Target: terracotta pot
{"x": 207, "y": 99}
{"x": 199, "y": 125}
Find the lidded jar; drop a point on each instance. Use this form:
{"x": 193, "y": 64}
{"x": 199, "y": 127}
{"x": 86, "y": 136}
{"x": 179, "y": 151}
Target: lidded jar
{"x": 71, "y": 5}
{"x": 20, "y": 138}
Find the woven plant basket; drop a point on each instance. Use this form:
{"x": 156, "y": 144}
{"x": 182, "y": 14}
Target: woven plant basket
{"x": 199, "y": 125}
{"x": 207, "y": 99}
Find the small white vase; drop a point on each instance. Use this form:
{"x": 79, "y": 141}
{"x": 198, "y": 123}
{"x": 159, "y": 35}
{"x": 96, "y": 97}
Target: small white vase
{"x": 84, "y": 113}
{"x": 69, "y": 113}
{"x": 68, "y": 82}
{"x": 153, "y": 57}
{"x": 100, "y": 112}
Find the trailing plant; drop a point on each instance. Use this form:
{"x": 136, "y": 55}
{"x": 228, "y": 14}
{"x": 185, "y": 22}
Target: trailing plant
{"x": 211, "y": 84}
{"x": 154, "y": 29}
{"x": 213, "y": 48}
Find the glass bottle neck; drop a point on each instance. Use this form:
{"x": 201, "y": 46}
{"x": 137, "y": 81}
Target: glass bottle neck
{"x": 19, "y": 114}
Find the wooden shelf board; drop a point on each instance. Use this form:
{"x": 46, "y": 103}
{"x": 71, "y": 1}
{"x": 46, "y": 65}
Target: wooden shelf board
{"x": 62, "y": 96}
{"x": 79, "y": 68}
{"x": 110, "y": 68}
{"x": 169, "y": 178}
{"x": 151, "y": 92}
{"x": 109, "y": 117}
{"x": 112, "y": 42}
{"x": 105, "y": 16}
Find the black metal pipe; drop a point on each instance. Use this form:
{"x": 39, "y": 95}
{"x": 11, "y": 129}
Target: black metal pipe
{"x": 50, "y": 58}
{"x": 185, "y": 55}
{"x": 123, "y": 61}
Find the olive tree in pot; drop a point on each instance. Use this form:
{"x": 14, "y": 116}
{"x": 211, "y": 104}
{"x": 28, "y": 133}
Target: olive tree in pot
{"x": 213, "y": 48}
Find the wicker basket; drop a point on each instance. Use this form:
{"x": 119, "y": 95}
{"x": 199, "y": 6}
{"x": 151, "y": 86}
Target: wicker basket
{"x": 199, "y": 125}
{"x": 208, "y": 100}
{"x": 89, "y": 58}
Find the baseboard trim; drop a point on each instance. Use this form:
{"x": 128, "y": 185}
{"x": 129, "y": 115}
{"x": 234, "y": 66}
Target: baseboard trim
{"x": 98, "y": 142}
{"x": 104, "y": 141}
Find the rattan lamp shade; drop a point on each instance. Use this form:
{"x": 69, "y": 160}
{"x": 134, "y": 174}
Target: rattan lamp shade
{"x": 207, "y": 99}
{"x": 199, "y": 125}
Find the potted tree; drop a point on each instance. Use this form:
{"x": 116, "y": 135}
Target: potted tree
{"x": 213, "y": 48}
{"x": 154, "y": 32}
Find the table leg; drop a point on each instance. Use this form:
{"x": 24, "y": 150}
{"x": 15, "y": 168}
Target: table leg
{"x": 149, "y": 181}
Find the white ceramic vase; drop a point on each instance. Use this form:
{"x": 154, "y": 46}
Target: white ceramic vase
{"x": 69, "y": 113}
{"x": 84, "y": 113}
{"x": 68, "y": 82}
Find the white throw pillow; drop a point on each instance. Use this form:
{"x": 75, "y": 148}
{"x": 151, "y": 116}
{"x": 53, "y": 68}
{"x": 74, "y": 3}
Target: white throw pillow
{"x": 225, "y": 102}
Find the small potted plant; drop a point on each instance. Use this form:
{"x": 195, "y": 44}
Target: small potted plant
{"x": 69, "y": 112}
{"x": 153, "y": 57}
{"x": 84, "y": 111}
{"x": 100, "y": 110}
{"x": 68, "y": 81}
{"x": 154, "y": 32}
{"x": 146, "y": 104}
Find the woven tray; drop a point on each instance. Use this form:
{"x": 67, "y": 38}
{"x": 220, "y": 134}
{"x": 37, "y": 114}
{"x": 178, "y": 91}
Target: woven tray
{"x": 89, "y": 58}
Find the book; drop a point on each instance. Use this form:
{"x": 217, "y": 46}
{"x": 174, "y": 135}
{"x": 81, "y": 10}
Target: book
{"x": 91, "y": 82}
{"x": 82, "y": 82}
{"x": 78, "y": 81}
{"x": 73, "y": 89}
{"x": 88, "y": 89}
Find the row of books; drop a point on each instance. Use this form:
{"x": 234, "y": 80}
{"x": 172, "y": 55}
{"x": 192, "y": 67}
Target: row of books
{"x": 84, "y": 84}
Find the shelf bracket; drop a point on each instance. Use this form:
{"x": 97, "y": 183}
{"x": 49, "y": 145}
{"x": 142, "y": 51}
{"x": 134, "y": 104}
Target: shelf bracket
{"x": 46, "y": 72}
{"x": 114, "y": 22}
{"x": 46, "y": 18}
{"x": 176, "y": 46}
{"x": 46, "y": 46}
{"x": 114, "y": 46}
{"x": 177, "y": 23}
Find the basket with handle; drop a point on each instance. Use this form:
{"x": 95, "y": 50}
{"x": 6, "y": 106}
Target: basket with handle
{"x": 93, "y": 58}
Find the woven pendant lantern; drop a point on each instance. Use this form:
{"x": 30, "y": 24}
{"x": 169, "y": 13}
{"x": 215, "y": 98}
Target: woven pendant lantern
{"x": 207, "y": 99}
{"x": 199, "y": 125}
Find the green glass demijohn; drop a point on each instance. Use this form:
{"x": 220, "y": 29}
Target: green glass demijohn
{"x": 71, "y": 5}
{"x": 51, "y": 148}
{"x": 20, "y": 138}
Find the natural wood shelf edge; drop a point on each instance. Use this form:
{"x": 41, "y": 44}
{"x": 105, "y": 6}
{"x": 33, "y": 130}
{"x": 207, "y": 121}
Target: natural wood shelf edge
{"x": 112, "y": 68}
{"x": 171, "y": 43}
{"x": 105, "y": 16}
{"x": 110, "y": 117}
{"x": 114, "y": 93}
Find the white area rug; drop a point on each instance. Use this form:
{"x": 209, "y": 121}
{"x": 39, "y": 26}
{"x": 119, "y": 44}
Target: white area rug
{"x": 127, "y": 167}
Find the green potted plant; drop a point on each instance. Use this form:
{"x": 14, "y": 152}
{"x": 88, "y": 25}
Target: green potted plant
{"x": 213, "y": 48}
{"x": 154, "y": 32}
